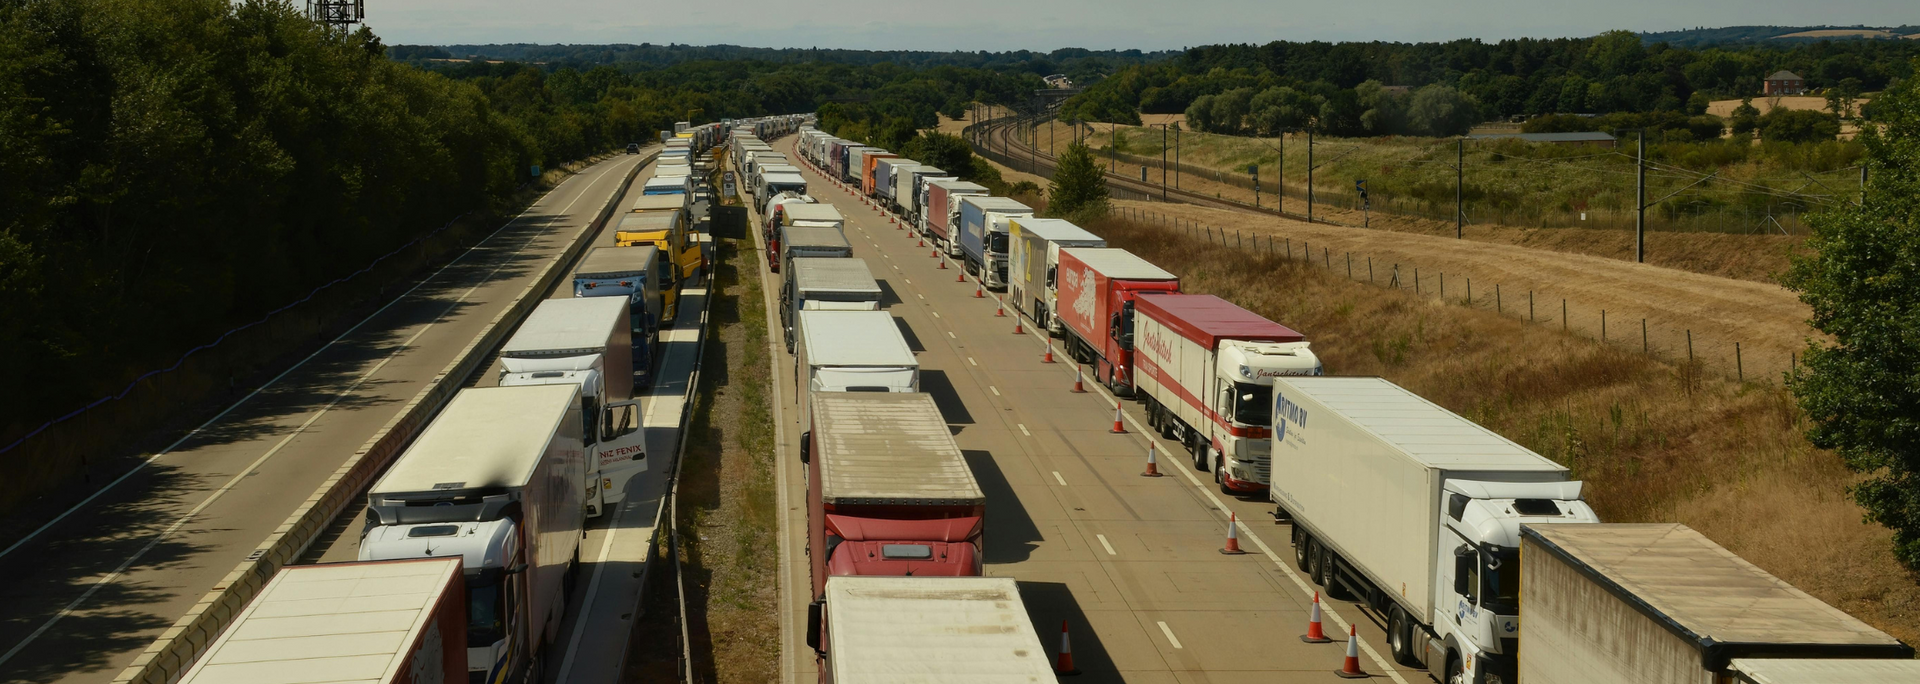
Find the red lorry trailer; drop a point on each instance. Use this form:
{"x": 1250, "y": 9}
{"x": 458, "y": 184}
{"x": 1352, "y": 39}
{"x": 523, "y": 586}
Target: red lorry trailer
{"x": 1205, "y": 367}
{"x": 1097, "y": 287}
{"x": 888, "y": 492}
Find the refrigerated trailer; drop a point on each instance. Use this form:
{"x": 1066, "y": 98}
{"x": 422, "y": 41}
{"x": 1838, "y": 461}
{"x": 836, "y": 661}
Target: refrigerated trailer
{"x": 586, "y": 343}
{"x": 1097, "y": 286}
{"x": 886, "y": 180}
{"x": 906, "y": 190}
{"x": 1415, "y": 512}
{"x": 1660, "y": 603}
{"x": 984, "y": 225}
{"x": 856, "y": 351}
{"x": 824, "y": 283}
{"x": 1033, "y": 254}
{"x": 942, "y": 217}
{"x": 392, "y": 622}
{"x": 1822, "y": 671}
{"x": 926, "y": 630}
{"x": 634, "y": 275}
{"x": 1205, "y": 369}
{"x": 795, "y": 240}
{"x": 496, "y": 479}
{"x": 888, "y": 490}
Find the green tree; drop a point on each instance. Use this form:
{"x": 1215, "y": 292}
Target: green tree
{"x": 948, "y": 153}
{"x": 1439, "y": 110}
{"x": 1078, "y": 184}
{"x": 1798, "y": 125}
{"x": 1746, "y": 117}
{"x": 1863, "y": 283}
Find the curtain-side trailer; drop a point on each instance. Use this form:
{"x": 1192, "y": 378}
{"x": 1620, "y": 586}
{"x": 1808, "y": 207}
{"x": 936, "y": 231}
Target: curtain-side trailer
{"x": 1033, "y": 255}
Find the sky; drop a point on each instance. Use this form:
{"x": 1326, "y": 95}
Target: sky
{"x": 1045, "y": 25}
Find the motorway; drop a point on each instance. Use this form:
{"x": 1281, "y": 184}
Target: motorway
{"x": 614, "y": 552}
{"x": 1131, "y": 564}
{"x": 91, "y": 589}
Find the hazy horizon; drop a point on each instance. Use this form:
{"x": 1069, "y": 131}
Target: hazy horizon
{"x": 1053, "y": 24}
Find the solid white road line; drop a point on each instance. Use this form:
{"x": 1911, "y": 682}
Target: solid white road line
{"x": 1164, "y": 629}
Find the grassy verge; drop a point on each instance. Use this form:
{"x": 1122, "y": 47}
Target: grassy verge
{"x": 728, "y": 518}
{"x": 1653, "y": 441}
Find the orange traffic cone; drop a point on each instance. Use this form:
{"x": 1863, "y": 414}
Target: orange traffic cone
{"x": 1064, "y": 666}
{"x": 1351, "y": 668}
{"x": 1017, "y": 328}
{"x": 1153, "y": 464}
{"x": 1315, "y": 634}
{"x": 1118, "y": 428}
{"x": 1233, "y": 536}
{"x": 960, "y": 275}
{"x": 943, "y": 264}
{"x": 1049, "y": 357}
{"x": 979, "y": 293}
{"x": 1078, "y": 388}
{"x": 1001, "y": 312}
{"x": 923, "y": 242}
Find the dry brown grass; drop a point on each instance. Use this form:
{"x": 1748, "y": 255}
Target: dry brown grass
{"x": 1654, "y": 441}
{"x": 728, "y": 521}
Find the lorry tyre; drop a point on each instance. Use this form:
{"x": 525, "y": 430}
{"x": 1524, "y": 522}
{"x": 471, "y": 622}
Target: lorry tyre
{"x": 1300, "y": 558}
{"x": 1330, "y": 576}
{"x": 1311, "y": 565}
{"x": 1454, "y": 672}
{"x": 1220, "y": 478}
{"x": 1400, "y": 637}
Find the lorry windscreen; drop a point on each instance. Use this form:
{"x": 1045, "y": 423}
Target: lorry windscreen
{"x": 997, "y": 243}
{"x": 1252, "y": 404}
{"x": 486, "y": 617}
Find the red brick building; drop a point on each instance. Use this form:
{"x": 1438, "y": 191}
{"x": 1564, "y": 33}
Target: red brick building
{"x": 1786, "y": 83}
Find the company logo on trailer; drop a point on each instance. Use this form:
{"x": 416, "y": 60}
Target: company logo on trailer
{"x": 1157, "y": 343}
{"x": 1085, "y": 300}
{"x": 1284, "y": 412}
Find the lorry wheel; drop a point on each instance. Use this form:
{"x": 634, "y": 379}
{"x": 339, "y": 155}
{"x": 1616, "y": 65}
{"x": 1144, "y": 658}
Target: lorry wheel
{"x": 1220, "y": 478}
{"x": 1199, "y": 458}
{"x": 1400, "y": 637}
{"x": 1301, "y": 559}
{"x": 1329, "y": 577}
{"x": 1455, "y": 671}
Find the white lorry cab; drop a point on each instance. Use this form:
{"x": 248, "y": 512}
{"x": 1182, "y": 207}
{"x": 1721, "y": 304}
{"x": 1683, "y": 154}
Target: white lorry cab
{"x": 586, "y": 343}
{"x": 496, "y": 479}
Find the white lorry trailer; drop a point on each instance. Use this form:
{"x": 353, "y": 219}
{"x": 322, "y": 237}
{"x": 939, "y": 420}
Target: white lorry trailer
{"x": 395, "y": 622}
{"x": 856, "y": 351}
{"x": 496, "y": 479}
{"x": 984, "y": 225}
{"x": 1660, "y": 603}
{"x": 1033, "y": 255}
{"x": 1393, "y": 499}
{"x": 1204, "y": 367}
{"x": 586, "y": 343}
{"x": 833, "y": 283}
{"x": 633, "y": 274}
{"x": 929, "y": 630}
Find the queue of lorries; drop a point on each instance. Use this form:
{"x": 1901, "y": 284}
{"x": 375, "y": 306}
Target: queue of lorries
{"x": 1479, "y": 556}
{"x": 471, "y": 541}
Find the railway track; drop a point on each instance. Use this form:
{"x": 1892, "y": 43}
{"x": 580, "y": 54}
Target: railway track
{"x": 1004, "y": 147}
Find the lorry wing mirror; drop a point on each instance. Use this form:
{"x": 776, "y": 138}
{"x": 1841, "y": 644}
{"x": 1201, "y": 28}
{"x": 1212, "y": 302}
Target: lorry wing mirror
{"x": 816, "y": 616}
{"x": 1463, "y": 571}
{"x": 806, "y": 447}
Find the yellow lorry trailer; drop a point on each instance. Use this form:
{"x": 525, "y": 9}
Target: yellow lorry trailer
{"x": 660, "y": 221}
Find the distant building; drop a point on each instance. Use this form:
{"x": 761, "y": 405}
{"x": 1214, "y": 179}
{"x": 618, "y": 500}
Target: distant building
{"x": 1785, "y": 82}
{"x": 1594, "y": 138}
{"x": 1058, "y": 81}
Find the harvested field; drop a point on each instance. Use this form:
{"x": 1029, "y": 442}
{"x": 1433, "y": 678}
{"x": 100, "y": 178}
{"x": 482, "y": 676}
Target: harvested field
{"x": 1654, "y": 441}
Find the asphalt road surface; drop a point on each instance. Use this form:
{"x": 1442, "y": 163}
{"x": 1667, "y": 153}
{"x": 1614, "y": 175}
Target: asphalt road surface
{"x": 1131, "y": 563}
{"x": 88, "y": 592}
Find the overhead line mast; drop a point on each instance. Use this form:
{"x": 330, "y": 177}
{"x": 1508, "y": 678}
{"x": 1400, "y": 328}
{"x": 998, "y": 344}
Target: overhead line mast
{"x": 337, "y": 12}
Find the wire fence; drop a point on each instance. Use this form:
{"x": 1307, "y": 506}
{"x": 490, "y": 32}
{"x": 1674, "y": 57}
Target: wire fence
{"x": 1695, "y": 352}
{"x": 1498, "y": 182}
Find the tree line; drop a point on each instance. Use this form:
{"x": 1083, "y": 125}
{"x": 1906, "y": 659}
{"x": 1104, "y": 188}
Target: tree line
{"x": 1377, "y": 88}
{"x": 172, "y": 168}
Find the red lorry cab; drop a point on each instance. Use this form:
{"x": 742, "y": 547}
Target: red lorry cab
{"x": 888, "y": 491}
{"x": 1097, "y": 287}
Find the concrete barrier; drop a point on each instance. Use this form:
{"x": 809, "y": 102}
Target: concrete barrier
{"x": 169, "y": 656}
